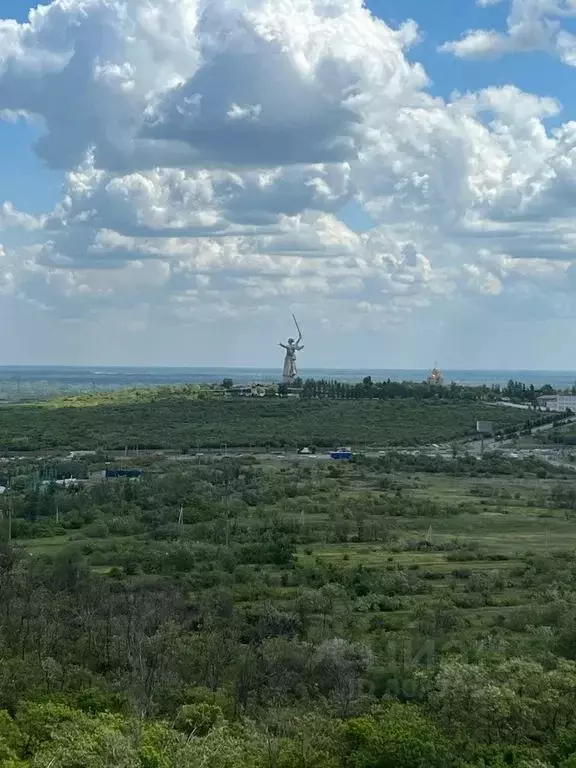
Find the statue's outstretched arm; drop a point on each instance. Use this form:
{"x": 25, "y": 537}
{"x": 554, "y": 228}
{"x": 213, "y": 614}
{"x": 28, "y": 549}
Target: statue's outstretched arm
{"x": 282, "y": 345}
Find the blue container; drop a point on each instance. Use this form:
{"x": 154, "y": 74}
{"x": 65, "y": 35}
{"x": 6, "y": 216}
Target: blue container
{"x": 342, "y": 455}
{"x": 132, "y": 473}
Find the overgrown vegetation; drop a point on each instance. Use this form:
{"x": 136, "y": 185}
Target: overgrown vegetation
{"x": 289, "y": 613}
{"x": 167, "y": 419}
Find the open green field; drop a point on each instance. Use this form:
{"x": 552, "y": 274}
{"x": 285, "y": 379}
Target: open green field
{"x": 173, "y": 421}
{"x": 340, "y": 520}
{"x": 310, "y": 592}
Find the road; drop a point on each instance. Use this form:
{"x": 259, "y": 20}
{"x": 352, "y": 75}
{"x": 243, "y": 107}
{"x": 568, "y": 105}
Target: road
{"x": 473, "y": 447}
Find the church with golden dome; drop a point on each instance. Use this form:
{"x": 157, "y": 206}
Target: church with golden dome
{"x": 436, "y": 377}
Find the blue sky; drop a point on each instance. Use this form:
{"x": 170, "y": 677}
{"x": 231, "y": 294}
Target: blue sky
{"x": 16, "y": 9}
{"x": 23, "y": 178}
{"x": 34, "y": 187}
{"x": 415, "y": 222}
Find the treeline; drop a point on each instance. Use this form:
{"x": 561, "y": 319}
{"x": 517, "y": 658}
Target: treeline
{"x": 515, "y": 391}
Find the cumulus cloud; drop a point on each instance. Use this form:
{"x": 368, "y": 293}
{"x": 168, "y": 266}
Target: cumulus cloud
{"x": 182, "y": 84}
{"x": 177, "y": 202}
{"x": 209, "y": 147}
{"x": 11, "y": 218}
{"x": 533, "y": 25}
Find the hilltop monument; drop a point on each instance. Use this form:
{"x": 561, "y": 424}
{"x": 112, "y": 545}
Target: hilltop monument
{"x": 290, "y": 370}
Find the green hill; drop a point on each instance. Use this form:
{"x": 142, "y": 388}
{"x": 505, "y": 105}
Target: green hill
{"x": 181, "y": 419}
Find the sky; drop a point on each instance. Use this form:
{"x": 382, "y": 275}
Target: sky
{"x": 178, "y": 177}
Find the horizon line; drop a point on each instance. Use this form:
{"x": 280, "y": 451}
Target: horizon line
{"x": 221, "y": 367}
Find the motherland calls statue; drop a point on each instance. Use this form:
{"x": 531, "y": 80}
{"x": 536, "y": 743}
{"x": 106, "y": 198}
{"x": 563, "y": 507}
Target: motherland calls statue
{"x": 290, "y": 371}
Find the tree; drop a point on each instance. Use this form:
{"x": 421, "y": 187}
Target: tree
{"x": 398, "y": 736}
{"x": 512, "y": 701}
{"x": 198, "y": 719}
{"x": 339, "y": 668}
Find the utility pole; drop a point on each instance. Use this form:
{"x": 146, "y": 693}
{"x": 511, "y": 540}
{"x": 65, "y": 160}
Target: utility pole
{"x": 10, "y": 522}
{"x": 227, "y": 515}
{"x": 181, "y": 521}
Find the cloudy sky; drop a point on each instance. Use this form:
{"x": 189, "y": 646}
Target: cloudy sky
{"x": 178, "y": 176}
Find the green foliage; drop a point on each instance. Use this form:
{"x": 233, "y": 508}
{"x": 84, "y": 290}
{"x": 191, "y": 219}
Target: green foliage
{"x": 172, "y": 421}
{"x": 198, "y": 719}
{"x": 275, "y": 613}
{"x": 502, "y": 701}
{"x": 399, "y": 736}
{"x": 11, "y": 737}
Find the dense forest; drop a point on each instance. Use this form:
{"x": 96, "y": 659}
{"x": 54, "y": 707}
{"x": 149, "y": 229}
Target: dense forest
{"x": 170, "y": 419}
{"x": 402, "y": 611}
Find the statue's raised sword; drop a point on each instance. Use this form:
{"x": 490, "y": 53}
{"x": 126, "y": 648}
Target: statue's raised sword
{"x": 297, "y": 328}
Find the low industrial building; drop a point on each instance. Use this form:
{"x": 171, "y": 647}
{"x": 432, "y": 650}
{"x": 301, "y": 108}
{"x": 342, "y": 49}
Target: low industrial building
{"x": 66, "y": 482}
{"x": 558, "y": 403}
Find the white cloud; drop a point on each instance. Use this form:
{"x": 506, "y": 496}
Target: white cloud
{"x": 165, "y": 84}
{"x": 209, "y": 147}
{"x": 11, "y": 218}
{"x": 533, "y": 25}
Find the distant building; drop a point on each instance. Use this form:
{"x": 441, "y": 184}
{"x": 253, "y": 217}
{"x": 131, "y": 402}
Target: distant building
{"x": 249, "y": 390}
{"x": 67, "y": 482}
{"x": 558, "y": 403}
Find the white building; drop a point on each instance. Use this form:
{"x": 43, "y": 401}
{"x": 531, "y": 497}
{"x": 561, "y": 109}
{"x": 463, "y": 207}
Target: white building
{"x": 68, "y": 482}
{"x": 558, "y": 403}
